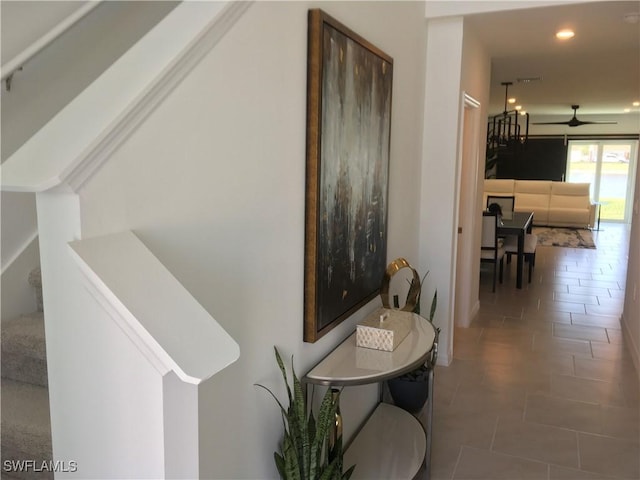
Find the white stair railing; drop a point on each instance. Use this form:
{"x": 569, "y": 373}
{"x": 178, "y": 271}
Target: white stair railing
{"x": 163, "y": 320}
{"x": 61, "y": 156}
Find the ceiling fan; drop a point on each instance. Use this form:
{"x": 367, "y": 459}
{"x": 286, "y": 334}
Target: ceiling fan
{"x": 574, "y": 122}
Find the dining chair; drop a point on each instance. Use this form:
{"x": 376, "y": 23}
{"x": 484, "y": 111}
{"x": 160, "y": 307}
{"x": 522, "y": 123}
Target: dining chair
{"x": 507, "y": 204}
{"x": 492, "y": 249}
{"x": 530, "y": 244}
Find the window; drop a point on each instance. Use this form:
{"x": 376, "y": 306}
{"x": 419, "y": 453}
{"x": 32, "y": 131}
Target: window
{"x": 609, "y": 166}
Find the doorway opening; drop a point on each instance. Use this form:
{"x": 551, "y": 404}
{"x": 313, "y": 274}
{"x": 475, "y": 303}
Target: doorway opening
{"x": 467, "y": 269}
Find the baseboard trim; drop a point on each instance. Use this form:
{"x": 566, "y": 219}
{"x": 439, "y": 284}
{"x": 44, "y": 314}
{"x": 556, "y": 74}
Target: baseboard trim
{"x": 474, "y": 311}
{"x": 443, "y": 359}
{"x": 633, "y": 348}
{"x": 466, "y": 322}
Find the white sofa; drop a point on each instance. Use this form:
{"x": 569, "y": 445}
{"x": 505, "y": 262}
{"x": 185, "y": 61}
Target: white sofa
{"x": 558, "y": 204}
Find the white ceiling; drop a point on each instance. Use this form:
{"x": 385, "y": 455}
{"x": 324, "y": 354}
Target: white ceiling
{"x": 599, "y": 69}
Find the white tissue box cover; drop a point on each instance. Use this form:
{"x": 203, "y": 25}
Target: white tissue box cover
{"x": 386, "y": 335}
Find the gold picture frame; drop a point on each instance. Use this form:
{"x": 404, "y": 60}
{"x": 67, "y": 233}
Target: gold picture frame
{"x": 349, "y": 91}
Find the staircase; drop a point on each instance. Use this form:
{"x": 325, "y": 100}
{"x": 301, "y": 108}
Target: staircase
{"x": 26, "y": 425}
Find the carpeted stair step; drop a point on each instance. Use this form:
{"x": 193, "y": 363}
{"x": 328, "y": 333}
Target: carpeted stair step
{"x": 23, "y": 349}
{"x": 26, "y": 429}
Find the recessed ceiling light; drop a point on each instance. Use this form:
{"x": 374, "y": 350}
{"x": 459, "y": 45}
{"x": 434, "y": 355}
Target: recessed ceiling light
{"x": 522, "y": 112}
{"x": 518, "y": 107}
{"x": 636, "y": 104}
{"x": 565, "y": 34}
{"x": 627, "y": 110}
{"x": 512, "y": 100}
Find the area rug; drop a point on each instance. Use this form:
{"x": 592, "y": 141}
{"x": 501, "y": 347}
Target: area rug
{"x": 564, "y": 237}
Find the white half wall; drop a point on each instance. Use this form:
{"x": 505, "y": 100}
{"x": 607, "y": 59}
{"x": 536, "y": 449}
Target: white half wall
{"x": 180, "y": 428}
{"x": 109, "y": 422}
{"x": 213, "y": 184}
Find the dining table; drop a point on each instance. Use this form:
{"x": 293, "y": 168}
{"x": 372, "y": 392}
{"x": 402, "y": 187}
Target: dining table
{"x": 519, "y": 225}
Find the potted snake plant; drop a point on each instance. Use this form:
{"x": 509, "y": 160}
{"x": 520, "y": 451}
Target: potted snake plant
{"x": 310, "y": 449}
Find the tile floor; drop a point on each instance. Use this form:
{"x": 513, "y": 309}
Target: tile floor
{"x": 541, "y": 386}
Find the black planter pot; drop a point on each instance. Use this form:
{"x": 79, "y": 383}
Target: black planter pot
{"x": 410, "y": 395}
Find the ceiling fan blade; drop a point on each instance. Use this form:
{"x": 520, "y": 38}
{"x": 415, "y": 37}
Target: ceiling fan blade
{"x": 574, "y": 122}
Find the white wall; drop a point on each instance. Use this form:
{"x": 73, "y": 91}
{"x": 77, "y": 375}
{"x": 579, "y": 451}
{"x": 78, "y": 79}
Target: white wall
{"x": 213, "y": 183}
{"x": 475, "y": 79}
{"x": 456, "y": 63}
{"x": 440, "y": 175}
{"x": 631, "y": 314}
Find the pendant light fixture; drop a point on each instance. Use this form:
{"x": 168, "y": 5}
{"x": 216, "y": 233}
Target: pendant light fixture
{"x": 505, "y": 129}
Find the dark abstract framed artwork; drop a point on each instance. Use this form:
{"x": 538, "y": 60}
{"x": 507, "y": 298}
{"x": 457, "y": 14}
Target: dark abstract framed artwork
{"x": 349, "y": 87}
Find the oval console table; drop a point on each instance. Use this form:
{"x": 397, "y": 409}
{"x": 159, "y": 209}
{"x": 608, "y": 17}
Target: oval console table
{"x": 392, "y": 443}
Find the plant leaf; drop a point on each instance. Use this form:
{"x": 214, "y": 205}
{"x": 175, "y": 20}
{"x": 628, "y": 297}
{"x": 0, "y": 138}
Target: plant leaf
{"x": 434, "y": 304}
{"x": 314, "y": 456}
{"x": 323, "y": 424}
{"x": 279, "y": 459}
{"x": 284, "y": 412}
{"x": 292, "y": 420}
{"x": 284, "y": 373}
{"x": 335, "y": 454}
{"x": 330, "y": 471}
{"x": 347, "y": 475}
{"x": 292, "y": 468}
{"x": 299, "y": 411}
